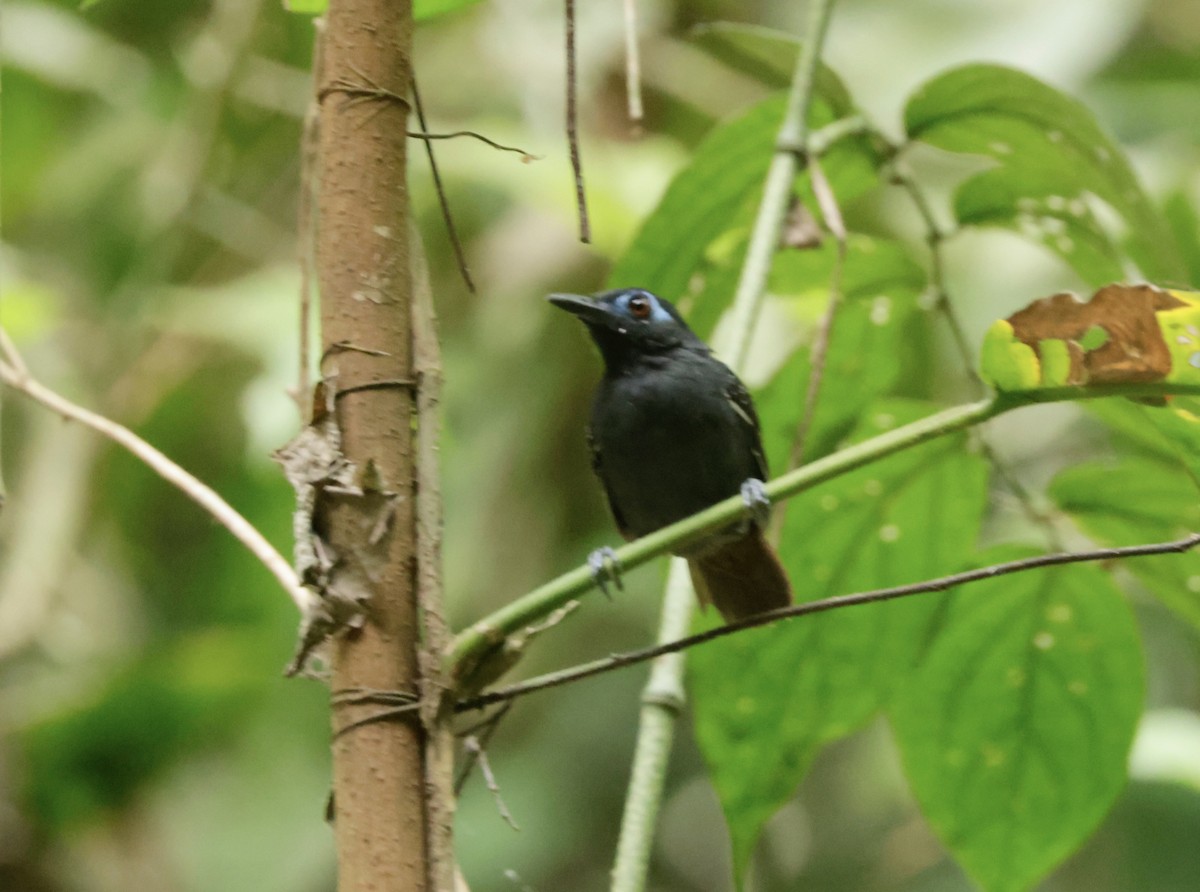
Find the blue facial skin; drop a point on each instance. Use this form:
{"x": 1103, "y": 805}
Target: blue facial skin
{"x": 630, "y": 321}
{"x": 622, "y": 299}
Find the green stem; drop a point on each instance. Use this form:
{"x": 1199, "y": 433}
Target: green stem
{"x": 657, "y": 720}
{"x": 662, "y": 700}
{"x": 477, "y": 639}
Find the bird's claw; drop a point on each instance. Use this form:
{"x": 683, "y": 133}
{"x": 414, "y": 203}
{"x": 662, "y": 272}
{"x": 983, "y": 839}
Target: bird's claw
{"x": 754, "y": 497}
{"x": 605, "y": 569}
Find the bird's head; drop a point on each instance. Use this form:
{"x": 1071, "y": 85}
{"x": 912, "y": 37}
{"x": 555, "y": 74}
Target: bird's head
{"x": 629, "y": 322}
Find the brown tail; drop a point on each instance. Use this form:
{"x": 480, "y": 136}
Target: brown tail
{"x": 741, "y": 578}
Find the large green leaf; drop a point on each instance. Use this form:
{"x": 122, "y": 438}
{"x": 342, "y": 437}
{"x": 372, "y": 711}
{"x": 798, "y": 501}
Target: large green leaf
{"x": 1051, "y": 159}
{"x": 1168, "y": 434}
{"x": 877, "y": 340}
{"x": 1134, "y": 502}
{"x": 763, "y": 53}
{"x": 1015, "y": 729}
{"x": 700, "y": 226}
{"x": 767, "y": 700}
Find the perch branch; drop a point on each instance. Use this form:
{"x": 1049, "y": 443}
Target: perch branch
{"x": 941, "y": 584}
{"x": 14, "y": 373}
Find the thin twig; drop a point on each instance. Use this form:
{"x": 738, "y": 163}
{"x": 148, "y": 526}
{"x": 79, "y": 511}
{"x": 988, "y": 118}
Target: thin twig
{"x": 820, "y": 349}
{"x": 472, "y": 134}
{"x": 585, "y": 227}
{"x": 482, "y": 732}
{"x": 832, "y": 214}
{"x": 473, "y": 746}
{"x": 935, "y": 238}
{"x": 451, "y": 230}
{"x": 14, "y": 373}
{"x": 554, "y": 679}
{"x": 633, "y": 66}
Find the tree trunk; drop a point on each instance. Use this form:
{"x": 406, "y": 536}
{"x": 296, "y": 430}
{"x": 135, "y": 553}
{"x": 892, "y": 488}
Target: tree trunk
{"x": 363, "y": 267}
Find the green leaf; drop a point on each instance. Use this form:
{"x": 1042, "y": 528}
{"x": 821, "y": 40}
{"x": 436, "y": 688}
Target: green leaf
{"x": 1184, "y": 220}
{"x": 306, "y": 7}
{"x": 766, "y": 701}
{"x": 881, "y": 321}
{"x": 1134, "y": 502}
{"x": 1169, "y": 434}
{"x": 703, "y": 220}
{"x": 1051, "y": 158}
{"x": 1015, "y": 729}
{"x": 765, "y": 54}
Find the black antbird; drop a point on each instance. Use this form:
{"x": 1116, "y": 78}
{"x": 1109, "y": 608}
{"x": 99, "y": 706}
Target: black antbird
{"x": 673, "y": 431}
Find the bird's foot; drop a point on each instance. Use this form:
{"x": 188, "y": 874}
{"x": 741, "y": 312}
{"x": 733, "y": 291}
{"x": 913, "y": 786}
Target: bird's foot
{"x": 758, "y": 506}
{"x": 605, "y": 569}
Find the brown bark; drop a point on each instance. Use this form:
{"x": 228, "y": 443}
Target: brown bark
{"x": 363, "y": 269}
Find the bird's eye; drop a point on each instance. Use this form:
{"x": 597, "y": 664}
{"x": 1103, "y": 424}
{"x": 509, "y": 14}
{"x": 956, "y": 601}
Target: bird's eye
{"x": 639, "y": 306}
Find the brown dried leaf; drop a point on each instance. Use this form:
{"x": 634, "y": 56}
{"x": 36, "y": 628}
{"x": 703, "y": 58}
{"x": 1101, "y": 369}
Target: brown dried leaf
{"x": 1133, "y": 350}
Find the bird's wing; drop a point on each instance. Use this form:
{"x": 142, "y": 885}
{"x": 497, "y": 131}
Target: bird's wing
{"x": 743, "y": 407}
{"x": 598, "y": 467}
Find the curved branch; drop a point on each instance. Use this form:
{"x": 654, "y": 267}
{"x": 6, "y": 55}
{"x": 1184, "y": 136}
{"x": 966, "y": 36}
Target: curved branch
{"x": 479, "y": 638}
{"x": 14, "y": 373}
{"x": 942, "y": 583}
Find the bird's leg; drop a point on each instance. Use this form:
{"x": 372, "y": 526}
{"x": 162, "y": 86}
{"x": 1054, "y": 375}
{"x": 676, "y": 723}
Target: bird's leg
{"x": 758, "y": 506}
{"x": 605, "y": 569}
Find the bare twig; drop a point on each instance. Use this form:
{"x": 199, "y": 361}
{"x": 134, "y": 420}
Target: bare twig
{"x": 935, "y": 238}
{"x": 585, "y": 227}
{"x": 482, "y": 732}
{"x": 820, "y": 349}
{"x": 832, "y": 215}
{"x": 475, "y": 748}
{"x": 633, "y": 66}
{"x": 14, "y": 373}
{"x": 451, "y": 230}
{"x": 553, "y": 679}
{"x": 471, "y": 134}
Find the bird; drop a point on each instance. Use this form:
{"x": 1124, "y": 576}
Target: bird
{"x": 672, "y": 431}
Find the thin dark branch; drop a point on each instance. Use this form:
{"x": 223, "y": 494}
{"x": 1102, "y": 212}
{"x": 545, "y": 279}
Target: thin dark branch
{"x": 481, "y": 733}
{"x": 471, "y": 134}
{"x": 585, "y": 227}
{"x": 832, "y": 215}
{"x": 451, "y": 230}
{"x": 935, "y": 237}
{"x": 629, "y": 658}
{"x": 476, "y": 749}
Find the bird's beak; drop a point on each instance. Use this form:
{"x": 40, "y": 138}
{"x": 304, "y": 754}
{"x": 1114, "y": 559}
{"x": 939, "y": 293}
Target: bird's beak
{"x": 587, "y": 309}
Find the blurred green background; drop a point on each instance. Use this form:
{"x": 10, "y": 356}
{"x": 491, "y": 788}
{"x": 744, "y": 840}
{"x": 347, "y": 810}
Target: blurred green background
{"x": 150, "y": 167}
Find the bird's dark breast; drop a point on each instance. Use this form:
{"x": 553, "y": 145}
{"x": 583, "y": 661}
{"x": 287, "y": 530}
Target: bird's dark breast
{"x": 670, "y": 442}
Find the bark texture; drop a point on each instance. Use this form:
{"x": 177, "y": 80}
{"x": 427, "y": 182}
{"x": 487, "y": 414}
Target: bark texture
{"x": 365, "y": 282}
